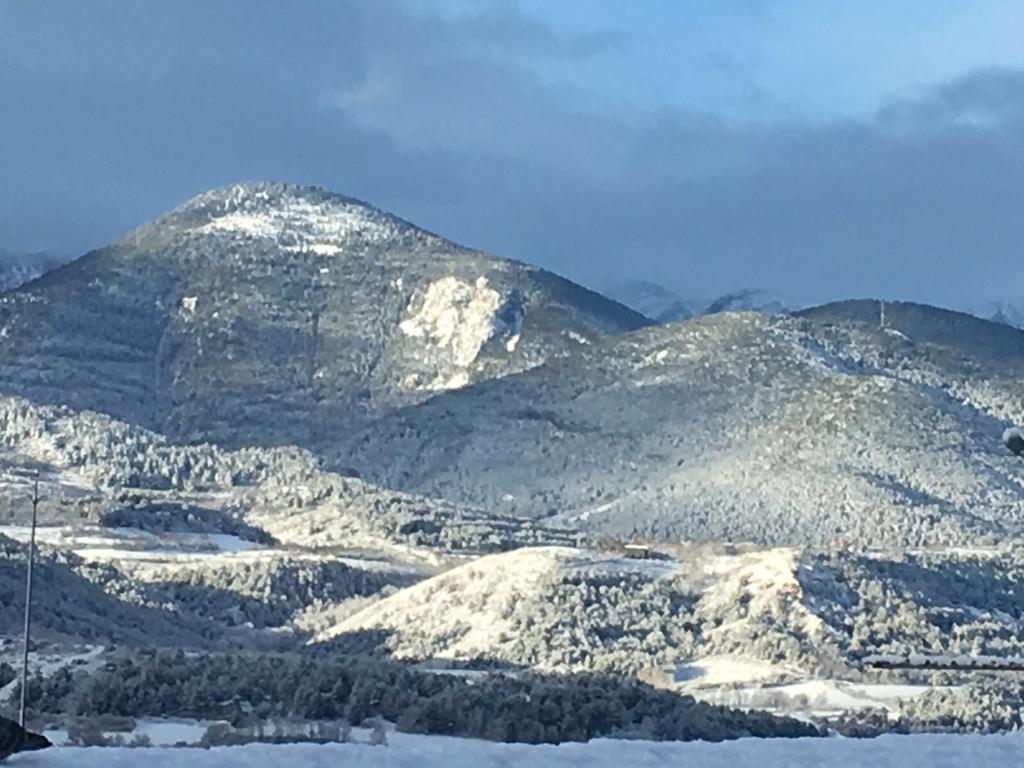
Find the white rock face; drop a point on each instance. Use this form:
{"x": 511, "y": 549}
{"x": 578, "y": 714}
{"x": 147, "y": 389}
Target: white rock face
{"x": 455, "y": 319}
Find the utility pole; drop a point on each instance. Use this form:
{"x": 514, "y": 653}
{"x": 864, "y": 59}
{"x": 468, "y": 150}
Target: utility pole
{"x": 28, "y": 597}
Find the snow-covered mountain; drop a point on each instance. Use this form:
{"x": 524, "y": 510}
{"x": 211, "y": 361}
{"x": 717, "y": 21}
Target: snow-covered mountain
{"x": 280, "y": 420}
{"x": 19, "y": 268}
{"x": 665, "y": 306}
{"x": 269, "y": 313}
{"x": 651, "y": 300}
{"x": 1006, "y": 313}
{"x": 746, "y": 426}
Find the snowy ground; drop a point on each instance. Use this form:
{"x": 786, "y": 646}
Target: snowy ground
{"x": 136, "y": 551}
{"x": 931, "y": 751}
{"x": 745, "y": 683}
{"x": 99, "y": 543}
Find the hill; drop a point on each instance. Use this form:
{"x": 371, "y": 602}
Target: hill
{"x": 742, "y": 426}
{"x": 747, "y": 627}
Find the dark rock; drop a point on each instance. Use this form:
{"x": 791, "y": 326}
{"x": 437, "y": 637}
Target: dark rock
{"x": 14, "y": 738}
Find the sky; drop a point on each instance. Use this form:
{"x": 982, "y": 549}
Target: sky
{"x": 813, "y": 149}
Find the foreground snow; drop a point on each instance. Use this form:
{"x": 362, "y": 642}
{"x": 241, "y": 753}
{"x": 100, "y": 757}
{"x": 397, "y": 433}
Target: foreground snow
{"x": 933, "y": 751}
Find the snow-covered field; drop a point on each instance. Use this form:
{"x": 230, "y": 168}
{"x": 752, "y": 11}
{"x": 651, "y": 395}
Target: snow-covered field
{"x": 99, "y": 543}
{"x": 931, "y": 751}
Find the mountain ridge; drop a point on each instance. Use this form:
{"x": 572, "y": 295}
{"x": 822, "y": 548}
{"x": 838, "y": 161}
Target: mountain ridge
{"x": 778, "y": 429}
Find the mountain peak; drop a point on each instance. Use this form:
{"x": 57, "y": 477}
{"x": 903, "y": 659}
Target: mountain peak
{"x": 298, "y": 217}
{"x": 256, "y": 195}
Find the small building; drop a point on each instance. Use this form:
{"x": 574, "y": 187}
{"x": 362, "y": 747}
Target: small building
{"x": 637, "y": 551}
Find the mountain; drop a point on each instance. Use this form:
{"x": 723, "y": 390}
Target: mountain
{"x": 286, "y": 432}
{"x": 742, "y": 300}
{"x": 264, "y": 314}
{"x": 664, "y": 306}
{"x": 1008, "y": 314}
{"x": 744, "y": 426}
{"x": 19, "y": 268}
{"x": 651, "y": 300}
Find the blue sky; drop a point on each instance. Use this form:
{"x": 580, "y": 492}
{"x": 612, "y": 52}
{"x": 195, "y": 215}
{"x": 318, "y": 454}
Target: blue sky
{"x": 762, "y": 59}
{"x": 801, "y": 59}
{"x": 817, "y": 150}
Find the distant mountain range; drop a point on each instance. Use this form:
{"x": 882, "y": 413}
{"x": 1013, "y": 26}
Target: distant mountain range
{"x": 665, "y": 306}
{"x": 1005, "y": 313}
{"x": 19, "y": 268}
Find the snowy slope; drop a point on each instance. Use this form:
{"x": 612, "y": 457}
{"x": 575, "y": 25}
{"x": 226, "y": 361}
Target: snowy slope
{"x": 271, "y": 314}
{"x": 169, "y": 538}
{"x": 740, "y": 426}
{"x": 922, "y": 751}
{"x": 567, "y": 610}
{"x": 701, "y": 619}
{"x": 97, "y": 468}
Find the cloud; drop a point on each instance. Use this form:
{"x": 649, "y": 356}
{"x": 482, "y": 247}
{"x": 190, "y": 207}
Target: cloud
{"x": 503, "y": 26}
{"x": 455, "y": 122}
{"x": 987, "y": 99}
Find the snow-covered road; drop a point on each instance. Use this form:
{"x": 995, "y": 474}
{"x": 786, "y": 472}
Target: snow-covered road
{"x": 929, "y": 751}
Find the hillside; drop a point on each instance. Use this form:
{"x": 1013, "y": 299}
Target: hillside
{"x": 774, "y": 429}
{"x": 268, "y": 314}
{"x": 782, "y": 628}
{"x": 97, "y": 469}
{"x": 768, "y": 615}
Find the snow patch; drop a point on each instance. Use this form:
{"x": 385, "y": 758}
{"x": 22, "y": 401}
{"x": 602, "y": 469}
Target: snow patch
{"x": 97, "y": 543}
{"x": 322, "y": 228}
{"x": 713, "y": 671}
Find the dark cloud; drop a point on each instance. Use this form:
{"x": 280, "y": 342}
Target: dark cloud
{"x": 986, "y": 99}
{"x": 115, "y": 112}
